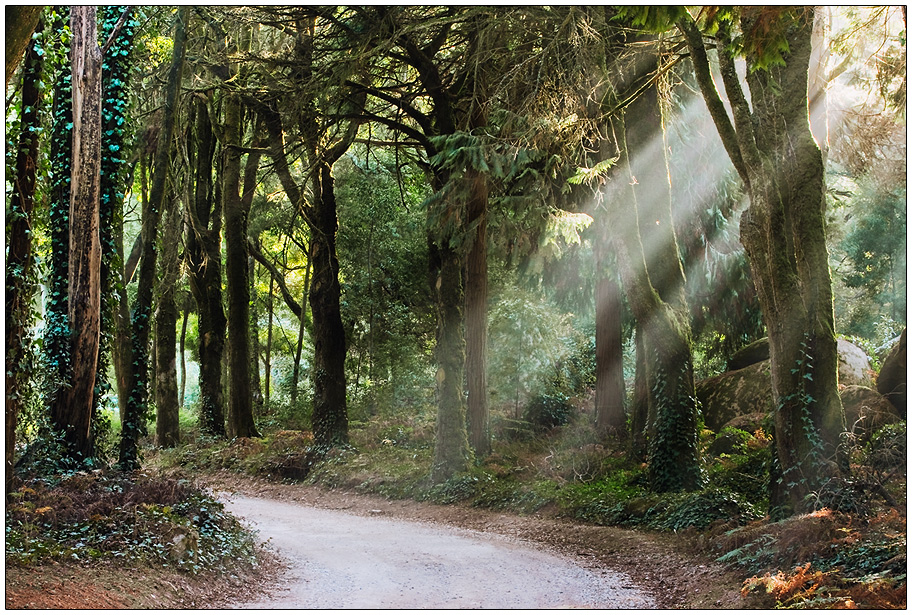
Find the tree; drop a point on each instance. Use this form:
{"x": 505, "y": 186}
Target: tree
{"x": 72, "y": 411}
{"x": 324, "y": 144}
{"x": 137, "y": 405}
{"x": 167, "y": 406}
{"x": 235, "y": 208}
{"x": 20, "y": 277}
{"x": 654, "y": 281}
{"x": 203, "y": 254}
{"x": 783, "y": 232}
{"x": 118, "y": 27}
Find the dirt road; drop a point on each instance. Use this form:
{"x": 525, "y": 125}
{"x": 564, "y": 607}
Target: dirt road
{"x": 341, "y": 560}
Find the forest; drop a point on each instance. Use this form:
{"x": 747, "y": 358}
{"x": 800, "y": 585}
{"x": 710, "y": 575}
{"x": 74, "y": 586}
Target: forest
{"x": 631, "y": 266}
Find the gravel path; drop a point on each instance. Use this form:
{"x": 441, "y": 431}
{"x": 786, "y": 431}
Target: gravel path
{"x": 343, "y": 561}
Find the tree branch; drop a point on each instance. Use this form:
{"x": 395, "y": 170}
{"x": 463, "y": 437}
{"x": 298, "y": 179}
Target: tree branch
{"x": 116, "y": 30}
{"x": 277, "y": 276}
{"x": 744, "y": 125}
{"x": 727, "y": 133}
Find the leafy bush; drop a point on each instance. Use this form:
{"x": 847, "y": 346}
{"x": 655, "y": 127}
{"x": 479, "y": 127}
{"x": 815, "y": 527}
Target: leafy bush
{"x": 699, "y": 510}
{"x": 548, "y": 410}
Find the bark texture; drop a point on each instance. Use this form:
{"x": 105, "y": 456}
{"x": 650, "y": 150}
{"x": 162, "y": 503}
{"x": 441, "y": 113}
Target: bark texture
{"x": 20, "y": 286}
{"x": 654, "y": 280}
{"x": 204, "y": 263}
{"x": 21, "y": 22}
{"x": 73, "y": 412}
{"x": 236, "y": 207}
{"x": 476, "y": 315}
{"x": 610, "y": 418}
{"x": 167, "y": 407}
{"x": 330, "y": 415}
{"x": 451, "y": 449}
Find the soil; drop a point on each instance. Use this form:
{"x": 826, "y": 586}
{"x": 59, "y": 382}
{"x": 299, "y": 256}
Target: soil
{"x": 666, "y": 568}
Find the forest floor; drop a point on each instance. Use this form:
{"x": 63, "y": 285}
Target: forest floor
{"x": 664, "y": 566}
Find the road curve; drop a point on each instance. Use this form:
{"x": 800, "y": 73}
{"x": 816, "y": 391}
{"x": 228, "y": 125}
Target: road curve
{"x": 339, "y": 560}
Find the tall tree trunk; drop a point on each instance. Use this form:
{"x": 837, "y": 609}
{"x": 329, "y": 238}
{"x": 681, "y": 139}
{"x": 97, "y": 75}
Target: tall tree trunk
{"x": 451, "y": 449}
{"x": 236, "y": 209}
{"x": 205, "y": 269}
{"x": 256, "y": 388}
{"x": 476, "y": 316}
{"x": 783, "y": 233}
{"x": 73, "y": 411}
{"x": 20, "y": 278}
{"x": 268, "y": 362}
{"x": 119, "y": 27}
{"x": 137, "y": 407}
{"x": 610, "y": 418}
{"x": 167, "y": 407}
{"x": 56, "y": 320}
{"x": 330, "y": 413}
{"x": 639, "y": 412}
{"x": 652, "y": 274}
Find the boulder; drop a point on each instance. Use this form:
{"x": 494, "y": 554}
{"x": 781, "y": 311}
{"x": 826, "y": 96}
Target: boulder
{"x": 753, "y": 353}
{"x": 854, "y": 367}
{"x": 891, "y": 382}
{"x": 747, "y": 391}
{"x": 736, "y": 393}
{"x": 866, "y": 411}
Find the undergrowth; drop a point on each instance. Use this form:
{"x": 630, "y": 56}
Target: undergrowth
{"x": 116, "y": 517}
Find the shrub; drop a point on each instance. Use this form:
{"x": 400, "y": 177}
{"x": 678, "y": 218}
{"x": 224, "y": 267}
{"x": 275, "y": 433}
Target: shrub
{"x": 548, "y": 410}
{"x": 699, "y": 510}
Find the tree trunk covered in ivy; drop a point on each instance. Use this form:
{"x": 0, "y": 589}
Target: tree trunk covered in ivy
{"x": 114, "y": 73}
{"x": 138, "y": 403}
{"x": 73, "y": 410}
{"x": 783, "y": 233}
{"x": 167, "y": 408}
{"x": 20, "y": 275}
{"x": 204, "y": 263}
{"x": 56, "y": 319}
{"x": 654, "y": 281}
